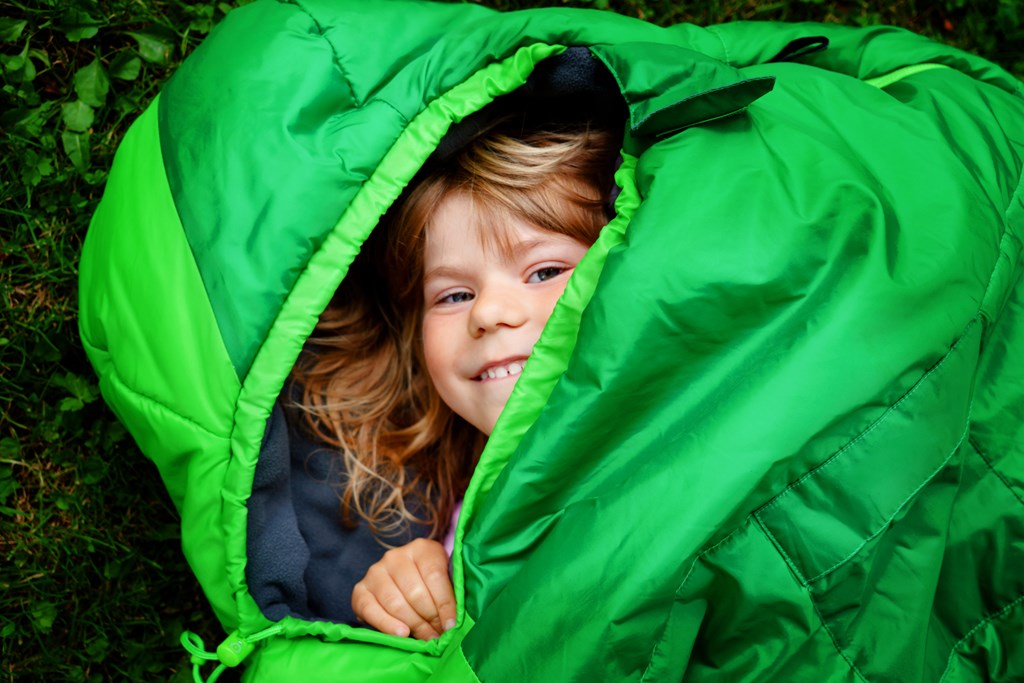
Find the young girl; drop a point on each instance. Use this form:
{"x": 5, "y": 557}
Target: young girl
{"x": 407, "y": 380}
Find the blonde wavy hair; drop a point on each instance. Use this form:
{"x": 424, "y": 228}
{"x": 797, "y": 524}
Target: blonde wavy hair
{"x": 365, "y": 391}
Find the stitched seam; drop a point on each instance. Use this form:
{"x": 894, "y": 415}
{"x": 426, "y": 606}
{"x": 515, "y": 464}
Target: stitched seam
{"x": 832, "y": 637}
{"x": 917, "y": 385}
{"x": 334, "y": 53}
{"x": 899, "y": 507}
{"x": 394, "y": 109}
{"x": 183, "y": 418}
{"x": 1002, "y": 478}
{"x": 1005, "y": 237}
{"x": 695, "y": 96}
{"x": 115, "y": 374}
{"x": 984, "y": 622}
{"x": 705, "y": 552}
{"x": 618, "y": 81}
{"x": 1017, "y": 192}
{"x": 725, "y": 50}
{"x": 679, "y": 588}
{"x": 782, "y": 551}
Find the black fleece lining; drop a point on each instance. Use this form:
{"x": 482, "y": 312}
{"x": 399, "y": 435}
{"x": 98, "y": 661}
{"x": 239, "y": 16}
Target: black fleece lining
{"x": 303, "y": 562}
{"x": 569, "y": 89}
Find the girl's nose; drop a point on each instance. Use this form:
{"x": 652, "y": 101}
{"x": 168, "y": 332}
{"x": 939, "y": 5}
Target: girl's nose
{"x": 494, "y": 308}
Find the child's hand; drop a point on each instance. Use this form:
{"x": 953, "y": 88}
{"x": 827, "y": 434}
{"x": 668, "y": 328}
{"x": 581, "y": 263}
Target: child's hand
{"x": 408, "y": 591}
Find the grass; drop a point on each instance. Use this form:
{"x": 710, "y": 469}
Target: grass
{"x": 92, "y": 585}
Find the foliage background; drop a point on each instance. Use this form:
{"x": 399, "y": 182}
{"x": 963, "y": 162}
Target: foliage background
{"x": 93, "y": 586}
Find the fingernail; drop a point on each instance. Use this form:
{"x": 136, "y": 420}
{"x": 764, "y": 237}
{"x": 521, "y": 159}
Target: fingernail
{"x": 402, "y": 631}
{"x": 450, "y": 624}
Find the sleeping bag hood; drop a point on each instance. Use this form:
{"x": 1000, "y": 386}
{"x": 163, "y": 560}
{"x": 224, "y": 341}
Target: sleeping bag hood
{"x": 774, "y": 428}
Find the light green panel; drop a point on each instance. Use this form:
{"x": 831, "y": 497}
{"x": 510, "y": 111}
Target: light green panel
{"x": 151, "y": 335}
{"x": 305, "y": 660}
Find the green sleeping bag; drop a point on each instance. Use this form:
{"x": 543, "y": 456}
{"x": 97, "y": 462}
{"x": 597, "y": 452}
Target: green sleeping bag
{"x": 774, "y": 429}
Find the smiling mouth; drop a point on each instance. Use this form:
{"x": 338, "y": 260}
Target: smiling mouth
{"x": 501, "y": 370}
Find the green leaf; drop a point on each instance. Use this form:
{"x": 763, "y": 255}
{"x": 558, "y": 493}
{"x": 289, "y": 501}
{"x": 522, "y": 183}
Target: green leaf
{"x": 126, "y": 104}
{"x": 76, "y": 146}
{"x": 97, "y": 177}
{"x": 8, "y": 630}
{"x": 202, "y": 17}
{"x": 78, "y": 25}
{"x": 77, "y": 386}
{"x": 40, "y": 55}
{"x": 182, "y": 675}
{"x": 71, "y": 404}
{"x": 12, "y": 63}
{"x": 93, "y": 470}
{"x": 43, "y": 615}
{"x": 153, "y": 48}
{"x": 125, "y": 66}
{"x": 201, "y": 25}
{"x": 92, "y": 84}
{"x": 8, "y": 484}
{"x": 10, "y": 448}
{"x": 47, "y": 431}
{"x": 10, "y": 29}
{"x": 27, "y": 121}
{"x": 98, "y": 649}
{"x": 19, "y": 68}
{"x": 115, "y": 433}
{"x": 78, "y": 116}
{"x": 113, "y": 569}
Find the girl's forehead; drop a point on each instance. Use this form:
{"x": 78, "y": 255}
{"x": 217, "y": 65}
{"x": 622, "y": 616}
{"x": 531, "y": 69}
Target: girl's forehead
{"x": 460, "y": 217}
{"x": 459, "y": 221}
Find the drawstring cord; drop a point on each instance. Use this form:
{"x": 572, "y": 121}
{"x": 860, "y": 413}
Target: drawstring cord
{"x": 195, "y": 647}
{"x": 230, "y": 653}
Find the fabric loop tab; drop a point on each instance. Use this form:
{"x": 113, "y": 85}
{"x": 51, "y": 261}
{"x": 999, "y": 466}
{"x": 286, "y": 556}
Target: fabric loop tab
{"x": 801, "y": 47}
{"x": 669, "y": 88}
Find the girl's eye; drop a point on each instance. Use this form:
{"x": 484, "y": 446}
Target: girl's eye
{"x": 456, "y": 298}
{"x": 547, "y": 273}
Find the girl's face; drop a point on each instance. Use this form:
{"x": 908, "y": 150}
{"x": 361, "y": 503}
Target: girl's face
{"x": 485, "y": 305}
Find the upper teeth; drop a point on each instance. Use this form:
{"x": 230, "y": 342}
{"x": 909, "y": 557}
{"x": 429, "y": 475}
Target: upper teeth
{"x": 501, "y": 371}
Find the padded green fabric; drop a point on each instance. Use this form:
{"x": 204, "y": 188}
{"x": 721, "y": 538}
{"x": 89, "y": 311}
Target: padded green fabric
{"x": 774, "y": 430}
{"x": 146, "y": 323}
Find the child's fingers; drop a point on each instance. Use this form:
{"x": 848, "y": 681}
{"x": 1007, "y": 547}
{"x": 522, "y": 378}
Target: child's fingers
{"x": 368, "y": 608}
{"x": 405, "y": 568}
{"x": 408, "y": 591}
{"x": 415, "y": 602}
{"x": 433, "y": 568}
{"x": 396, "y": 585}
{"x": 385, "y": 590}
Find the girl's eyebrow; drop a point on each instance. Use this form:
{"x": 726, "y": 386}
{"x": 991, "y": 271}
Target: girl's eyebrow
{"x": 526, "y": 246}
{"x": 441, "y": 271}
{"x": 511, "y": 252}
